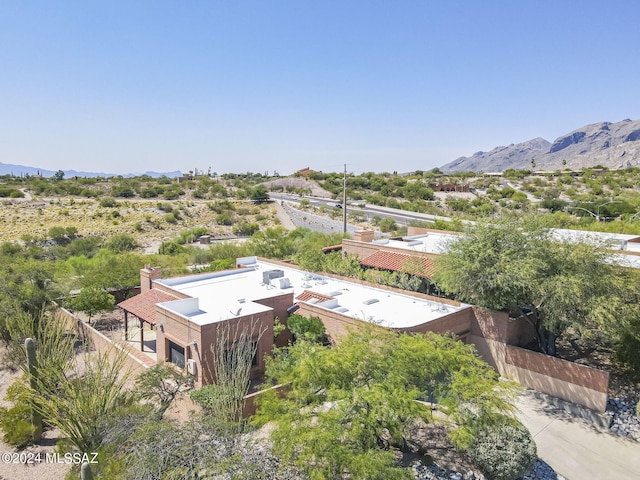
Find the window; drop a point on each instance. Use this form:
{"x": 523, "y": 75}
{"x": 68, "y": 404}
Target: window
{"x": 176, "y": 354}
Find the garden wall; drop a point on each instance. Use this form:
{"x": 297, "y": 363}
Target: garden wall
{"x": 134, "y": 361}
{"x": 495, "y": 337}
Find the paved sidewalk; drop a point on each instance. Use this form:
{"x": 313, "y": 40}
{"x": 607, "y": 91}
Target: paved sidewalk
{"x": 574, "y": 447}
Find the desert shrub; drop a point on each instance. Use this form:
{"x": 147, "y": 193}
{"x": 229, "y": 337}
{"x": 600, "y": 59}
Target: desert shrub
{"x": 108, "y": 202}
{"x": 15, "y": 421}
{"x": 10, "y": 192}
{"x": 122, "y": 191}
{"x": 170, "y": 248}
{"x": 627, "y": 350}
{"x": 122, "y": 243}
{"x": 165, "y": 207}
{"x": 504, "y": 452}
{"x": 190, "y": 236}
{"x": 224, "y": 219}
{"x": 388, "y": 224}
{"x": 247, "y": 229}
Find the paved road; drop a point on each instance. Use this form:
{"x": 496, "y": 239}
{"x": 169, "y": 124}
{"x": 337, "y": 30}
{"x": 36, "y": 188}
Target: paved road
{"x": 402, "y": 217}
{"x": 575, "y": 448}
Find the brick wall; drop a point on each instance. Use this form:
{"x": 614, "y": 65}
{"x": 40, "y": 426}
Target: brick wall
{"x": 496, "y": 337}
{"x": 458, "y": 323}
{"x": 563, "y": 370}
{"x": 336, "y": 324}
{"x": 280, "y": 304}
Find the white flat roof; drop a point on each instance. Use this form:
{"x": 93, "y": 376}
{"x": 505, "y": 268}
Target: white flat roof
{"x": 427, "y": 243}
{"x": 616, "y": 241}
{"x": 221, "y": 294}
{"x": 437, "y": 242}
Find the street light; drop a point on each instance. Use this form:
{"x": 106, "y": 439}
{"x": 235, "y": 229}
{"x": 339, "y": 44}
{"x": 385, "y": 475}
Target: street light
{"x": 597, "y": 214}
{"x": 602, "y": 205}
{"x": 584, "y": 209}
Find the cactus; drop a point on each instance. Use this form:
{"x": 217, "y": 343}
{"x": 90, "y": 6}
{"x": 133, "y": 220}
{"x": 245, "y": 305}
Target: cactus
{"x": 32, "y": 366}
{"x": 85, "y": 472}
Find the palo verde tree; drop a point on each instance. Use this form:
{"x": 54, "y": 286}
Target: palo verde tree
{"x": 345, "y": 406}
{"x": 92, "y": 300}
{"x": 520, "y": 268}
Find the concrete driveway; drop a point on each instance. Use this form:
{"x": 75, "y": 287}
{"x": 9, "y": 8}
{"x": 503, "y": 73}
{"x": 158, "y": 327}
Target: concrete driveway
{"x": 574, "y": 447}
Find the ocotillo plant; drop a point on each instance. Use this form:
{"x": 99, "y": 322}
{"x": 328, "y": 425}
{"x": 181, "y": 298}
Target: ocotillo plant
{"x": 36, "y": 417}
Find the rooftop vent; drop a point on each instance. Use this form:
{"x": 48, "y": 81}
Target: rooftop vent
{"x": 370, "y": 301}
{"x": 241, "y": 300}
{"x": 267, "y": 275}
{"x": 335, "y": 293}
{"x": 342, "y": 309}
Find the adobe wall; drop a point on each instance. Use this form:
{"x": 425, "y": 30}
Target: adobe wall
{"x": 180, "y": 331}
{"x": 556, "y": 377}
{"x": 458, "y": 323}
{"x": 280, "y": 304}
{"x": 101, "y": 343}
{"x": 260, "y": 329}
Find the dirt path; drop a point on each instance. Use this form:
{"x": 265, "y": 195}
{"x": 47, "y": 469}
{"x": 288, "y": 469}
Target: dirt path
{"x": 284, "y": 217}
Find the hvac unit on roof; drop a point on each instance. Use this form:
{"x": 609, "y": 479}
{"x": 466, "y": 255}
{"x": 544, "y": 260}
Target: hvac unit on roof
{"x": 282, "y": 282}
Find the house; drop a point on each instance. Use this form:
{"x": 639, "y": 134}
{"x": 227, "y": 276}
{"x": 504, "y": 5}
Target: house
{"x": 190, "y": 314}
{"x": 195, "y": 316}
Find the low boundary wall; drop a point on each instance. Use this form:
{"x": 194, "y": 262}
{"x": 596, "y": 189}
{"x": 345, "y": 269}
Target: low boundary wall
{"x": 103, "y": 344}
{"x": 559, "y": 378}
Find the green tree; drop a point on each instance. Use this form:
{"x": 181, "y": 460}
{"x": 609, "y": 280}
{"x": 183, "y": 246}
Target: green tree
{"x": 161, "y": 384}
{"x": 92, "y": 300}
{"x": 59, "y": 175}
{"x": 306, "y": 328}
{"x": 519, "y": 268}
{"x": 122, "y": 243}
{"x": 259, "y": 194}
{"x": 345, "y": 406}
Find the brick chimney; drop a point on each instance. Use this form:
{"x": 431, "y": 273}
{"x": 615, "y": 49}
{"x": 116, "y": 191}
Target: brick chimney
{"x": 147, "y": 276}
{"x": 363, "y": 236}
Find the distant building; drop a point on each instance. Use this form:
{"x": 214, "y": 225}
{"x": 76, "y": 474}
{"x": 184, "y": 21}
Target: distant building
{"x": 304, "y": 172}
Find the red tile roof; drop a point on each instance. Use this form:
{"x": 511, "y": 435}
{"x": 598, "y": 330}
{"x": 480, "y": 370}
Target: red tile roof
{"x": 308, "y": 295}
{"x": 399, "y": 262}
{"x": 143, "y": 306}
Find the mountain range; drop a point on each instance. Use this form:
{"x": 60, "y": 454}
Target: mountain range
{"x": 21, "y": 170}
{"x": 613, "y": 145}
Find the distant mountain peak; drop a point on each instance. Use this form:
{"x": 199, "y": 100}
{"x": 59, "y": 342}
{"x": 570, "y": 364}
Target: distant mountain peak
{"x": 19, "y": 170}
{"x": 602, "y": 143}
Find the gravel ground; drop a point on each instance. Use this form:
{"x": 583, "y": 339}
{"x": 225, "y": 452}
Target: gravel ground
{"x": 23, "y": 464}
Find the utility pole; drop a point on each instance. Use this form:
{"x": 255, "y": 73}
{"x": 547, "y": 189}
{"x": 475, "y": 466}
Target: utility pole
{"x": 344, "y": 201}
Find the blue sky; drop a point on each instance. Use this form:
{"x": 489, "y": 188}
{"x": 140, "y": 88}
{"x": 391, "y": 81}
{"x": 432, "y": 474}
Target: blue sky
{"x": 240, "y": 86}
